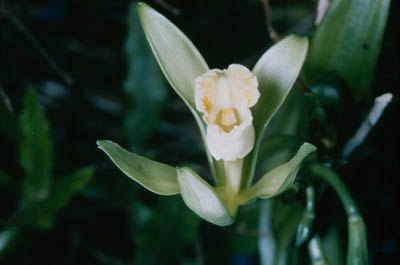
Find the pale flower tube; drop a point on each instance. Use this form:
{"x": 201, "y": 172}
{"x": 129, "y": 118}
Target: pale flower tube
{"x": 225, "y": 98}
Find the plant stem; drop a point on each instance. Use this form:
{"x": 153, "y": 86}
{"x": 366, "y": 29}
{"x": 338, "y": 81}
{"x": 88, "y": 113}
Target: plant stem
{"x": 266, "y": 244}
{"x": 233, "y": 173}
{"x": 337, "y": 184}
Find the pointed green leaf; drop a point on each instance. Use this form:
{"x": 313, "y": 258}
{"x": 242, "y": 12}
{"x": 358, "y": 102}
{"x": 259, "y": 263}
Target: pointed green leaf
{"x": 154, "y": 176}
{"x": 276, "y": 71}
{"x": 348, "y": 43}
{"x": 278, "y": 179}
{"x": 35, "y": 149}
{"x": 179, "y": 60}
{"x": 201, "y": 198}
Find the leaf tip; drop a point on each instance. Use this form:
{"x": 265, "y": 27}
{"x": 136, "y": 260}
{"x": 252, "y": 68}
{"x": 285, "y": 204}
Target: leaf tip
{"x": 102, "y": 144}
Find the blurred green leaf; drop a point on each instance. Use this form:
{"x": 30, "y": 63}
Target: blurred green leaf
{"x": 154, "y": 176}
{"x": 202, "y": 198}
{"x": 144, "y": 85}
{"x": 36, "y": 149}
{"x": 41, "y": 213}
{"x": 171, "y": 228}
{"x": 66, "y": 187}
{"x": 348, "y": 42}
{"x": 276, "y": 71}
{"x": 278, "y": 179}
{"x": 8, "y": 240}
{"x": 179, "y": 60}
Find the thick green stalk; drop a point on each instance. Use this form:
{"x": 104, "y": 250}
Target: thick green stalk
{"x": 337, "y": 184}
{"x": 357, "y": 252}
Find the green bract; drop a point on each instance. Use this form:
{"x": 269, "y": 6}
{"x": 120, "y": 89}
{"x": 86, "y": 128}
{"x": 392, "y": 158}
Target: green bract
{"x": 181, "y": 64}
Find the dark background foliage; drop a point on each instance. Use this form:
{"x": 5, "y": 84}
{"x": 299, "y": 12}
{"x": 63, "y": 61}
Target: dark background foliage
{"x": 72, "y": 54}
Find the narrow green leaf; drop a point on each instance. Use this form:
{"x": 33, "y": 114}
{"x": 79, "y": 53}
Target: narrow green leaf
{"x": 201, "y": 198}
{"x": 35, "y": 149}
{"x": 66, "y": 187}
{"x": 348, "y": 42}
{"x": 144, "y": 85}
{"x": 40, "y": 213}
{"x": 276, "y": 71}
{"x": 179, "y": 60}
{"x": 154, "y": 176}
{"x": 278, "y": 179}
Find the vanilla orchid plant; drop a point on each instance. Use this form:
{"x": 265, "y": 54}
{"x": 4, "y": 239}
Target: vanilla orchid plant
{"x": 232, "y": 107}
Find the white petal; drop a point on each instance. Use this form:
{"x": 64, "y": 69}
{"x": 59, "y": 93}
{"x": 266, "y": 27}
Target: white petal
{"x": 233, "y": 145}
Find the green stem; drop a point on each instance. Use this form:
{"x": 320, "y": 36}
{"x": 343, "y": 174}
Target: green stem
{"x": 337, "y": 184}
{"x": 357, "y": 252}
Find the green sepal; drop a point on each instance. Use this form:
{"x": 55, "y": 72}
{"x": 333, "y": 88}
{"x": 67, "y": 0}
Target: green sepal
{"x": 202, "y": 199}
{"x": 154, "y": 176}
{"x": 278, "y": 179}
{"x": 276, "y": 72}
{"x": 180, "y": 61}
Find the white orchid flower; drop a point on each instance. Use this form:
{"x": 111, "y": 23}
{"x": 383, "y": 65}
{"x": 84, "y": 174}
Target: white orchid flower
{"x": 232, "y": 107}
{"x": 225, "y": 98}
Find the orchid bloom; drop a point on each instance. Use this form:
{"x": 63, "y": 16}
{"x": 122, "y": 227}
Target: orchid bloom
{"x": 225, "y": 98}
{"x": 232, "y": 107}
